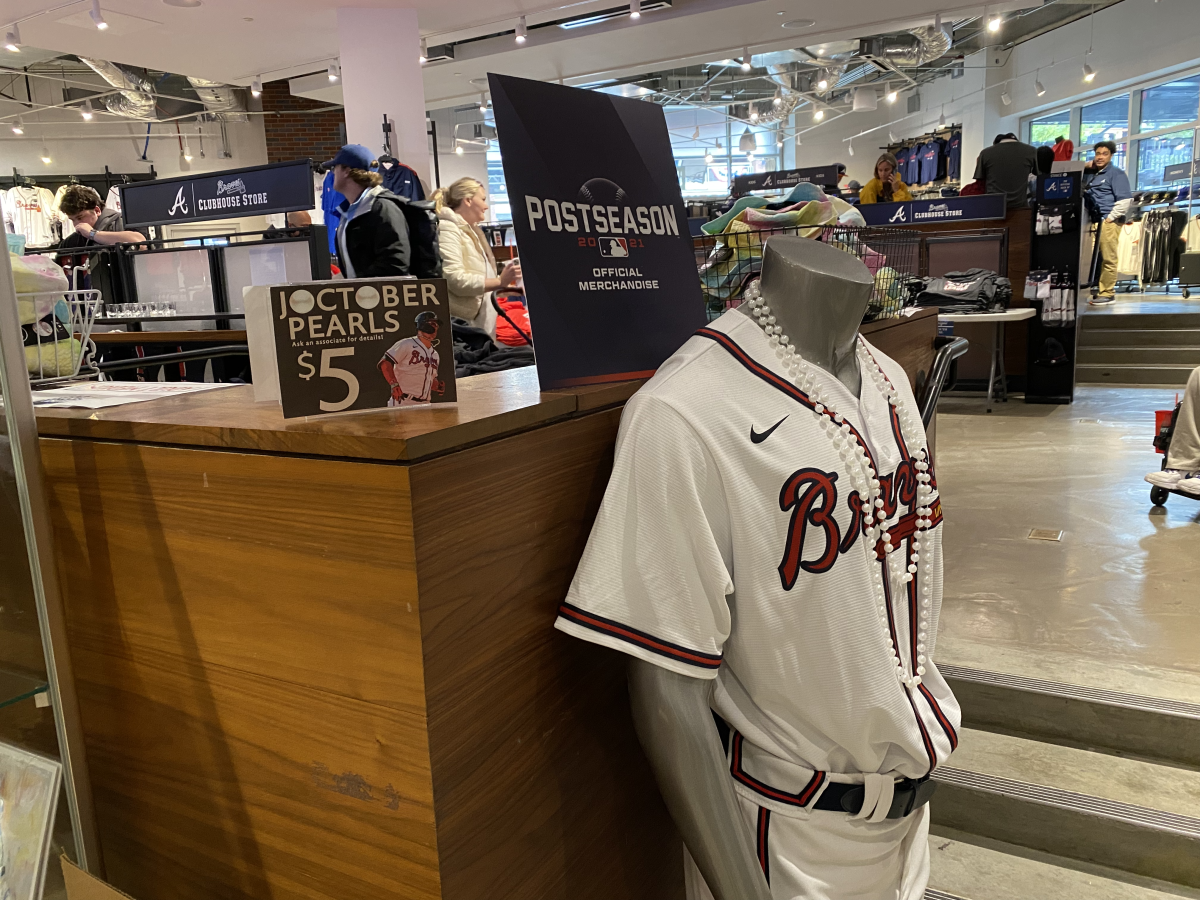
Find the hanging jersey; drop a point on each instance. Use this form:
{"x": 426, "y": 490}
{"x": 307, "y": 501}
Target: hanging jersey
{"x": 402, "y": 181}
{"x": 1064, "y": 151}
{"x": 931, "y": 155}
{"x": 113, "y": 200}
{"x": 331, "y": 202}
{"x": 902, "y": 163}
{"x": 30, "y": 212}
{"x": 416, "y": 369}
{"x": 913, "y": 173}
{"x": 729, "y": 545}
{"x": 954, "y": 157}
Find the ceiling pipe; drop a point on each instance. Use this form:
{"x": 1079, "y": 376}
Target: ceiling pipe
{"x": 135, "y": 100}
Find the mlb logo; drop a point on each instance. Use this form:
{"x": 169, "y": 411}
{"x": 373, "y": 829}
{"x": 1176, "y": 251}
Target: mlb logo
{"x": 614, "y": 247}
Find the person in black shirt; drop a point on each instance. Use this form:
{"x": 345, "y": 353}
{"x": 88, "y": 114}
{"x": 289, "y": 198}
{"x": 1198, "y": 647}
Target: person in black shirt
{"x": 93, "y": 225}
{"x": 1005, "y": 168}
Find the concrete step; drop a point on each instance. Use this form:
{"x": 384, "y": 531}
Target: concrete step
{"x": 1173, "y": 376}
{"x": 1139, "y": 356}
{"x": 1149, "y": 337}
{"x": 961, "y": 868}
{"x": 1128, "y": 321}
{"x": 1146, "y": 727}
{"x": 1126, "y": 814}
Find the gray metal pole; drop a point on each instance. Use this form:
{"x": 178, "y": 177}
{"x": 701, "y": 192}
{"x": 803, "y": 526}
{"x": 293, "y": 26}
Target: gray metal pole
{"x": 27, "y": 467}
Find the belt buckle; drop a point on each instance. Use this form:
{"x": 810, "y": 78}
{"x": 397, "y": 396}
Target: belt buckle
{"x": 911, "y": 794}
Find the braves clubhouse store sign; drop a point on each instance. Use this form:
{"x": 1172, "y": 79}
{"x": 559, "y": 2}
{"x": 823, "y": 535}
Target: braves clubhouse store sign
{"x": 609, "y": 270}
{"x": 942, "y": 209}
{"x": 256, "y": 191}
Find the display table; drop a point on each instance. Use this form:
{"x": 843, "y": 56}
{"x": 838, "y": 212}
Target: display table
{"x": 316, "y": 659}
{"x": 997, "y": 321}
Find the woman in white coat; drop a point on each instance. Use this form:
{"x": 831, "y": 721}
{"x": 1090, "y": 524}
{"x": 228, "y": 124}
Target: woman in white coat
{"x": 467, "y": 261}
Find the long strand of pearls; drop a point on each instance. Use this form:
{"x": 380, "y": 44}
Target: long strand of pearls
{"x": 864, "y": 479}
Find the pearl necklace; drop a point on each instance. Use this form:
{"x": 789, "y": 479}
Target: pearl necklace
{"x": 864, "y": 479}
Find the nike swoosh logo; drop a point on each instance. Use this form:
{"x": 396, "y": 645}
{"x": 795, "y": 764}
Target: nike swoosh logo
{"x": 758, "y": 438}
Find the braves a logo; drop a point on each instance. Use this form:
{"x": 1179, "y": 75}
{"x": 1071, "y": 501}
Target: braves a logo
{"x": 812, "y": 496}
{"x": 180, "y": 204}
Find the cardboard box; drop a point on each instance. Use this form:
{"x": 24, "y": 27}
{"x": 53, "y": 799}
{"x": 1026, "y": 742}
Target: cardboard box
{"x": 82, "y": 886}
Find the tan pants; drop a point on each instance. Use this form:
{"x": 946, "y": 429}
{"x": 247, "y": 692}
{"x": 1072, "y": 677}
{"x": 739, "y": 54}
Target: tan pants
{"x": 1184, "y": 453}
{"x": 1110, "y": 234}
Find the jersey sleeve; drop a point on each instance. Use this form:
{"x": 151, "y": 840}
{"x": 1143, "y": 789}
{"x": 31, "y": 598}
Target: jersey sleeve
{"x": 654, "y": 579}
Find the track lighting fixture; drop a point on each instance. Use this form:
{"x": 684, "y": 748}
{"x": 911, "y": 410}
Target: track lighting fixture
{"x": 483, "y": 103}
{"x": 12, "y": 40}
{"x": 256, "y": 87}
{"x": 745, "y": 59}
{"x": 86, "y": 110}
{"x": 424, "y": 50}
{"x": 522, "y": 30}
{"x": 458, "y": 148}
{"x": 18, "y": 127}
{"x": 1038, "y": 87}
{"x": 635, "y": 9}
{"x": 1006, "y": 97}
{"x": 97, "y": 16}
{"x": 747, "y": 143}
{"x": 942, "y": 118}
{"x": 823, "y": 81}
{"x": 1088, "y": 72}
{"x": 893, "y": 96}
{"x": 891, "y": 137}
{"x": 852, "y": 148}
{"x": 334, "y": 71}
{"x": 753, "y": 114}
{"x": 778, "y": 99}
{"x": 696, "y": 133}
{"x": 708, "y": 157}
{"x": 46, "y": 154}
{"x": 187, "y": 151}
{"x": 818, "y": 115}
{"x": 994, "y": 24}
{"x": 779, "y": 141}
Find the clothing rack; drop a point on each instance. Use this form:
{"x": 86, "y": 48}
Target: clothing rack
{"x": 944, "y": 132}
{"x": 107, "y": 178}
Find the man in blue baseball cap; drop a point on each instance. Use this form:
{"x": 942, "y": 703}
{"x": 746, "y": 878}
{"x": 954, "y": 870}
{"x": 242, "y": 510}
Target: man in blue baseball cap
{"x": 372, "y": 234}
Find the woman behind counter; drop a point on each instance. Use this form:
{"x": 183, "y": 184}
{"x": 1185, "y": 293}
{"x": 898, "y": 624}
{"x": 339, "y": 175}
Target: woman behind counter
{"x": 886, "y": 186}
{"x": 467, "y": 261}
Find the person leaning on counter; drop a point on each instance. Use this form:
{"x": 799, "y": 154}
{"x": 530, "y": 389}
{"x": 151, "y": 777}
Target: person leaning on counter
{"x": 886, "y": 186}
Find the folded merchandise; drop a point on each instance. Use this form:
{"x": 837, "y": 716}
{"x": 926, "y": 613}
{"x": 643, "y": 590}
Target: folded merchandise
{"x": 973, "y": 290}
{"x": 719, "y": 224}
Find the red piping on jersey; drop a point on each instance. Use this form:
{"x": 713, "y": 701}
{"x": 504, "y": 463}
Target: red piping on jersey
{"x": 639, "y": 638}
{"x": 764, "y": 832}
{"x": 887, "y": 599}
{"x": 801, "y": 799}
{"x": 940, "y": 716}
{"x": 906, "y": 526}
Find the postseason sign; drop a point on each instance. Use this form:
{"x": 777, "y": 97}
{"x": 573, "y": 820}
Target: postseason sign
{"x": 255, "y": 191}
{"x": 367, "y": 344}
{"x": 610, "y": 274}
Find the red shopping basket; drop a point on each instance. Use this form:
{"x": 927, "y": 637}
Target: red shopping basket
{"x": 1164, "y": 423}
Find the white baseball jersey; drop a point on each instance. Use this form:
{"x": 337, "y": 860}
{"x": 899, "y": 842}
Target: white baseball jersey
{"x": 30, "y": 211}
{"x": 730, "y": 546}
{"x": 113, "y": 200}
{"x": 416, "y": 369}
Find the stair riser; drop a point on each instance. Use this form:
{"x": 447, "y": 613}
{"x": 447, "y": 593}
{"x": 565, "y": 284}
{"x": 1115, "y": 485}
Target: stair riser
{"x": 1101, "y": 321}
{"x": 1183, "y": 337}
{"x": 1147, "y": 734}
{"x": 1167, "y": 376}
{"x": 1095, "y": 839}
{"x": 1139, "y": 356}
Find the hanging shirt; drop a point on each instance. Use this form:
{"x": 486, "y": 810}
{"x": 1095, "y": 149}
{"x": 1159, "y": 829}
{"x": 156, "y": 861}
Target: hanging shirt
{"x": 930, "y": 158}
{"x": 912, "y": 174}
{"x": 954, "y": 157}
{"x": 113, "y": 200}
{"x": 30, "y": 212}
{"x": 718, "y": 555}
{"x": 1064, "y": 150}
{"x": 402, "y": 181}
{"x": 331, "y": 202}
{"x": 902, "y": 163}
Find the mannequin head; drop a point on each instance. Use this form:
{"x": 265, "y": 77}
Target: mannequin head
{"x": 820, "y": 295}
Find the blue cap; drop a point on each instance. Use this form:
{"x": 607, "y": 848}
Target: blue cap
{"x": 356, "y": 156}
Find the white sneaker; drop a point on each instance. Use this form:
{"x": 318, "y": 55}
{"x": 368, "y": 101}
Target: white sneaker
{"x": 1170, "y": 478}
{"x": 1189, "y": 486}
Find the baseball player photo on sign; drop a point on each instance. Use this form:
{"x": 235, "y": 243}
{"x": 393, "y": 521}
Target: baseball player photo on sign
{"x": 373, "y": 343}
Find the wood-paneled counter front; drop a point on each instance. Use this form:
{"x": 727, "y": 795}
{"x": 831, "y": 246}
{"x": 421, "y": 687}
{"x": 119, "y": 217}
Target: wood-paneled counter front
{"x": 315, "y": 659}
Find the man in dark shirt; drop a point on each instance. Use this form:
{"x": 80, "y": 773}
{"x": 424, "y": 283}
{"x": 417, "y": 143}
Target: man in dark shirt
{"x": 93, "y": 224}
{"x": 1005, "y": 167}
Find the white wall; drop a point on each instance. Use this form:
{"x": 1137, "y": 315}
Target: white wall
{"x": 1134, "y": 40}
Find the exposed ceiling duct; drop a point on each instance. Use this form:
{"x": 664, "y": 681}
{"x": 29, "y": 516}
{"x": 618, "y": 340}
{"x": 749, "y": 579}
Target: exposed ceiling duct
{"x": 918, "y": 47}
{"x": 136, "y": 100}
{"x": 220, "y": 99}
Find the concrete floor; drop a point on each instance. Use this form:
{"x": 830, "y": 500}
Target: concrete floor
{"x": 1116, "y": 603}
{"x": 1127, "y": 303}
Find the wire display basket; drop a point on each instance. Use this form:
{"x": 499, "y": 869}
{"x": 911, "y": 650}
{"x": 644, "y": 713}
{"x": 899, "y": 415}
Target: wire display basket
{"x": 58, "y": 334}
{"x": 729, "y": 262}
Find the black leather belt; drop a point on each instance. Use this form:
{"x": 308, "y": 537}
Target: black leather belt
{"x": 911, "y": 794}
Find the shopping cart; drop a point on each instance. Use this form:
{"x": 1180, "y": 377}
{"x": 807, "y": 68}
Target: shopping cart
{"x": 58, "y": 340}
{"x": 1164, "y": 429}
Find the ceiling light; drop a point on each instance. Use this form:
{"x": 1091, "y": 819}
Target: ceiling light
{"x": 424, "y": 50}
{"x": 187, "y": 151}
{"x": 747, "y": 143}
{"x": 1006, "y": 97}
{"x": 46, "y": 154}
{"x": 1039, "y": 87}
{"x": 893, "y": 96}
{"x": 256, "y": 87}
{"x": 696, "y": 133}
{"x": 778, "y": 100}
{"x": 745, "y": 59}
{"x": 994, "y": 24}
{"x": 522, "y": 30}
{"x": 86, "y": 110}
{"x": 818, "y": 115}
{"x": 635, "y": 9}
{"x": 719, "y": 147}
{"x": 753, "y": 114}
{"x": 942, "y": 119}
{"x": 823, "y": 81}
{"x": 779, "y": 141}
{"x": 483, "y": 103}
{"x": 705, "y": 94}
{"x": 852, "y": 148}
{"x": 18, "y": 126}
{"x": 97, "y": 16}
{"x": 458, "y": 148}
{"x": 892, "y": 137}
{"x": 12, "y": 40}
{"x": 1088, "y": 72}
{"x": 708, "y": 157}
{"x": 334, "y": 71}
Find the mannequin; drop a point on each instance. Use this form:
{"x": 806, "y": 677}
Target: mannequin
{"x": 829, "y": 723}
{"x": 820, "y": 296}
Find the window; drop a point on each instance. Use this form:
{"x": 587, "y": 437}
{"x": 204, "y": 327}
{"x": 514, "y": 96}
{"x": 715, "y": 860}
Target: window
{"x": 1107, "y": 120}
{"x": 1167, "y": 105}
{"x": 697, "y": 134}
{"x": 1155, "y": 154}
{"x": 1043, "y": 131}
{"x": 500, "y": 210}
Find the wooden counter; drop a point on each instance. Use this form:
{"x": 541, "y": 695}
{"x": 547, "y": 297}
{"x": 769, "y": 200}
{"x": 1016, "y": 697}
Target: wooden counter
{"x": 315, "y": 659}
